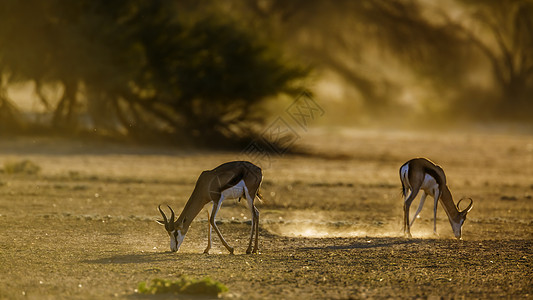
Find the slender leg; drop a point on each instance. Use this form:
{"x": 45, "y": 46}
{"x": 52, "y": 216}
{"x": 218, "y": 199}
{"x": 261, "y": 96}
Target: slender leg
{"x": 216, "y": 207}
{"x": 406, "y": 206}
{"x": 422, "y": 199}
{"x": 252, "y": 212}
{"x": 255, "y": 229}
{"x": 437, "y": 195}
{"x": 208, "y": 233}
{"x": 256, "y": 245}
{"x": 249, "y": 249}
{"x": 403, "y": 221}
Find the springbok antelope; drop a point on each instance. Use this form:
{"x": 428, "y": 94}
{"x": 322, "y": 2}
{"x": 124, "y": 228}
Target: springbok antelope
{"x": 231, "y": 180}
{"x": 422, "y": 174}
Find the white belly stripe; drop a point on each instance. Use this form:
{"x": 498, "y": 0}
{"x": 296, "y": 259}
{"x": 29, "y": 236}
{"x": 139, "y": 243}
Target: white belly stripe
{"x": 429, "y": 185}
{"x": 236, "y": 191}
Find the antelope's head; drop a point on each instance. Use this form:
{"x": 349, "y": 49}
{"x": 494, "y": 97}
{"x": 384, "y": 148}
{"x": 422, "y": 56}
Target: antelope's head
{"x": 174, "y": 230}
{"x": 458, "y": 224}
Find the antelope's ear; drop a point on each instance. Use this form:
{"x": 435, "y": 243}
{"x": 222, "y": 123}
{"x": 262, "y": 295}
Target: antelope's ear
{"x": 180, "y": 226}
{"x": 160, "y": 222}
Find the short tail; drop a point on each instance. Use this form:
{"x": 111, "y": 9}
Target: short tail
{"x": 259, "y": 196}
{"x": 403, "y": 192}
{"x": 403, "y": 179}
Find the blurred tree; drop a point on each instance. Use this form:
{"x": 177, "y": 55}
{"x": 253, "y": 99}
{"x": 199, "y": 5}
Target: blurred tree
{"x": 503, "y": 32}
{"x": 8, "y": 114}
{"x": 191, "y": 69}
{"x": 137, "y": 67}
{"x": 17, "y": 65}
{"x": 349, "y": 36}
{"x": 209, "y": 88}
{"x": 437, "y": 43}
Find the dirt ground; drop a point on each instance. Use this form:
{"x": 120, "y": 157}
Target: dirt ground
{"x": 330, "y": 225}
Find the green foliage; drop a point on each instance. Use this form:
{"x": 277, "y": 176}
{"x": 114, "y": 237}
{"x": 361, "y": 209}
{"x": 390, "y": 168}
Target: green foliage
{"x": 183, "y": 285}
{"x": 206, "y": 80}
{"x": 21, "y": 167}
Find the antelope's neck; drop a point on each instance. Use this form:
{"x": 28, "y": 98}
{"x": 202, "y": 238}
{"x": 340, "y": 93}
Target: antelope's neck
{"x": 190, "y": 211}
{"x": 446, "y": 200}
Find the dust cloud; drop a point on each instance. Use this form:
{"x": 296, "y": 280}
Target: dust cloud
{"x": 326, "y": 225}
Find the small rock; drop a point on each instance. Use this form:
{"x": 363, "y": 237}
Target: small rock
{"x": 508, "y": 198}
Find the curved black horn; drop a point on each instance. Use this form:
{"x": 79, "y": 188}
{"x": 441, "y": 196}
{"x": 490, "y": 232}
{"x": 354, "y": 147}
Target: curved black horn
{"x": 469, "y": 207}
{"x": 172, "y": 216}
{"x": 163, "y": 214}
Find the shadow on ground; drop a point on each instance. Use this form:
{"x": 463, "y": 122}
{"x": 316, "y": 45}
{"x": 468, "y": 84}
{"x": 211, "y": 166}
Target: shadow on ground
{"x": 144, "y": 257}
{"x": 368, "y": 243}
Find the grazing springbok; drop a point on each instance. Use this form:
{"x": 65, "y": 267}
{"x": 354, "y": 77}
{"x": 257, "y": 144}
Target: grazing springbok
{"x": 231, "y": 180}
{"x": 422, "y": 174}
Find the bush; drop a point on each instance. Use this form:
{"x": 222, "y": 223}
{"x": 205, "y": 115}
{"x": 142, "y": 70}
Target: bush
{"x": 184, "y": 285}
{"x": 21, "y": 167}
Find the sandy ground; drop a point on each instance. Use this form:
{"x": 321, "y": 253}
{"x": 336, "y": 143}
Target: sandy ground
{"x": 330, "y": 227}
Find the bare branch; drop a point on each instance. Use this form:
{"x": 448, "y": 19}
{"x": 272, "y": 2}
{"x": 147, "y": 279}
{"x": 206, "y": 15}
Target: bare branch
{"x": 506, "y": 52}
{"x": 498, "y": 72}
{"x": 40, "y": 95}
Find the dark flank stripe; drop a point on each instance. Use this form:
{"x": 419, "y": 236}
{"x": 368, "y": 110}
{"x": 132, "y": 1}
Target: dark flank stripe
{"x": 434, "y": 174}
{"x": 234, "y": 180}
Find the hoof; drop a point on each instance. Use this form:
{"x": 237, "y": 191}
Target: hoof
{"x": 206, "y": 251}
{"x": 250, "y": 251}
{"x": 231, "y": 251}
